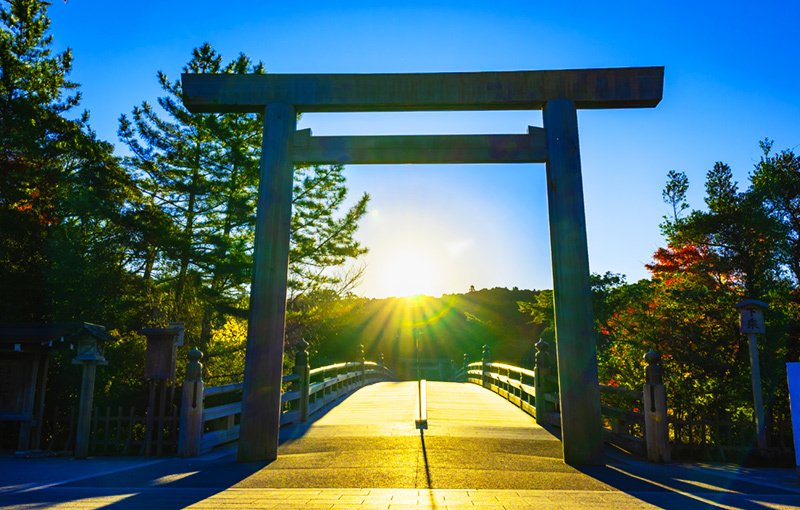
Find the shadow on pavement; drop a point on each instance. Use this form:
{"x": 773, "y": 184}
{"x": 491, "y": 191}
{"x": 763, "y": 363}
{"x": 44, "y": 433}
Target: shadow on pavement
{"x": 132, "y": 482}
{"x": 187, "y": 481}
{"x": 671, "y": 486}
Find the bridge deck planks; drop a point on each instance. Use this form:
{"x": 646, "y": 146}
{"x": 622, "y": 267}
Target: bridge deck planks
{"x": 454, "y": 409}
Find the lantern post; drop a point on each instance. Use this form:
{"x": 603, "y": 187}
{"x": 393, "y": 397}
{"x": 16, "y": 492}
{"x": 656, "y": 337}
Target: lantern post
{"x": 751, "y": 323}
{"x": 90, "y": 354}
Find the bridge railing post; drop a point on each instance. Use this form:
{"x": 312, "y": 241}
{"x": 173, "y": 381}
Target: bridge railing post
{"x": 191, "y": 426}
{"x": 656, "y": 427}
{"x": 540, "y": 373}
{"x": 362, "y": 360}
{"x": 466, "y": 367}
{"x": 303, "y": 382}
{"x": 327, "y": 390}
{"x": 485, "y": 360}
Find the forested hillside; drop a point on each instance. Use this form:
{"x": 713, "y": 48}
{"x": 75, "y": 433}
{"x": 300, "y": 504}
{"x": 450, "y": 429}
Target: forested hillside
{"x": 448, "y": 327}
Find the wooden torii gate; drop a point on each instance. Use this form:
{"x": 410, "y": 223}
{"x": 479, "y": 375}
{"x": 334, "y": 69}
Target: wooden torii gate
{"x": 280, "y": 97}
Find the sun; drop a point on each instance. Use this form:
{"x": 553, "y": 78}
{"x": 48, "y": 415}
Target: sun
{"x": 408, "y": 274}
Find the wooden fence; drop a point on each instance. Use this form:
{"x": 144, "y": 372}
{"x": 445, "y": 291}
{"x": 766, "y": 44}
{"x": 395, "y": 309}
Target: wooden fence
{"x": 694, "y": 435}
{"x": 113, "y": 431}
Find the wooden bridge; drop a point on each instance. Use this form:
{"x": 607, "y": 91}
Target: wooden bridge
{"x": 474, "y": 438}
{"x": 518, "y": 402}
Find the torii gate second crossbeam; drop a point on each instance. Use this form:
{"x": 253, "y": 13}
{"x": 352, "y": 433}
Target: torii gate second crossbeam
{"x": 557, "y": 93}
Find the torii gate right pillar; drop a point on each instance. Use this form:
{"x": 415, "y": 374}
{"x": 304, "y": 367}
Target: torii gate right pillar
{"x": 581, "y": 420}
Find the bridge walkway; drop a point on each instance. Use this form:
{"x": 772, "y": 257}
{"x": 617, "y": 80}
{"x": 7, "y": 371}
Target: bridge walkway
{"x": 474, "y": 439}
{"x": 478, "y": 451}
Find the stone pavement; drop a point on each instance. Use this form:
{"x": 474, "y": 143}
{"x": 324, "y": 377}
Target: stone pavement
{"x": 478, "y": 451}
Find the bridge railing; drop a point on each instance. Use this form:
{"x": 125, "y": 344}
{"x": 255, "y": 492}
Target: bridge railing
{"x": 308, "y": 392}
{"x": 634, "y": 420}
{"x": 331, "y": 382}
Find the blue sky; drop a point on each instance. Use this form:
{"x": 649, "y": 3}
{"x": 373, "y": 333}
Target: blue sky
{"x": 732, "y": 73}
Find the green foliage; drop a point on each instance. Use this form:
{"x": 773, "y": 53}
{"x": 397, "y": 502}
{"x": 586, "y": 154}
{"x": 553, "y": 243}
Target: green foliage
{"x": 64, "y": 228}
{"x": 62, "y": 192}
{"x": 693, "y": 326}
{"x": 776, "y": 184}
{"x": 542, "y": 310}
{"x": 223, "y": 361}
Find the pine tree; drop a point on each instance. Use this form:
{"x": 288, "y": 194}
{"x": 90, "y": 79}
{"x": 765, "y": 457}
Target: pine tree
{"x": 776, "y": 183}
{"x": 202, "y": 171}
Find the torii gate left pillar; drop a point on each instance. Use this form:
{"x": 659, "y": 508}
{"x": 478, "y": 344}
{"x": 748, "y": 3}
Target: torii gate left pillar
{"x": 558, "y": 93}
{"x": 263, "y": 365}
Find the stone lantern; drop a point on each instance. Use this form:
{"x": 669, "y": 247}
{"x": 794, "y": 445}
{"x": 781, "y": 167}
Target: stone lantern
{"x": 91, "y": 349}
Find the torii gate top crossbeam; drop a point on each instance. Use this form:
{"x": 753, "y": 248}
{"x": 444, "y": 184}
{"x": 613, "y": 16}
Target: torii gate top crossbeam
{"x": 631, "y": 87}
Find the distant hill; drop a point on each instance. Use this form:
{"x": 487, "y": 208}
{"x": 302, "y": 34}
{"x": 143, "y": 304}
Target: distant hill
{"x": 448, "y": 327}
